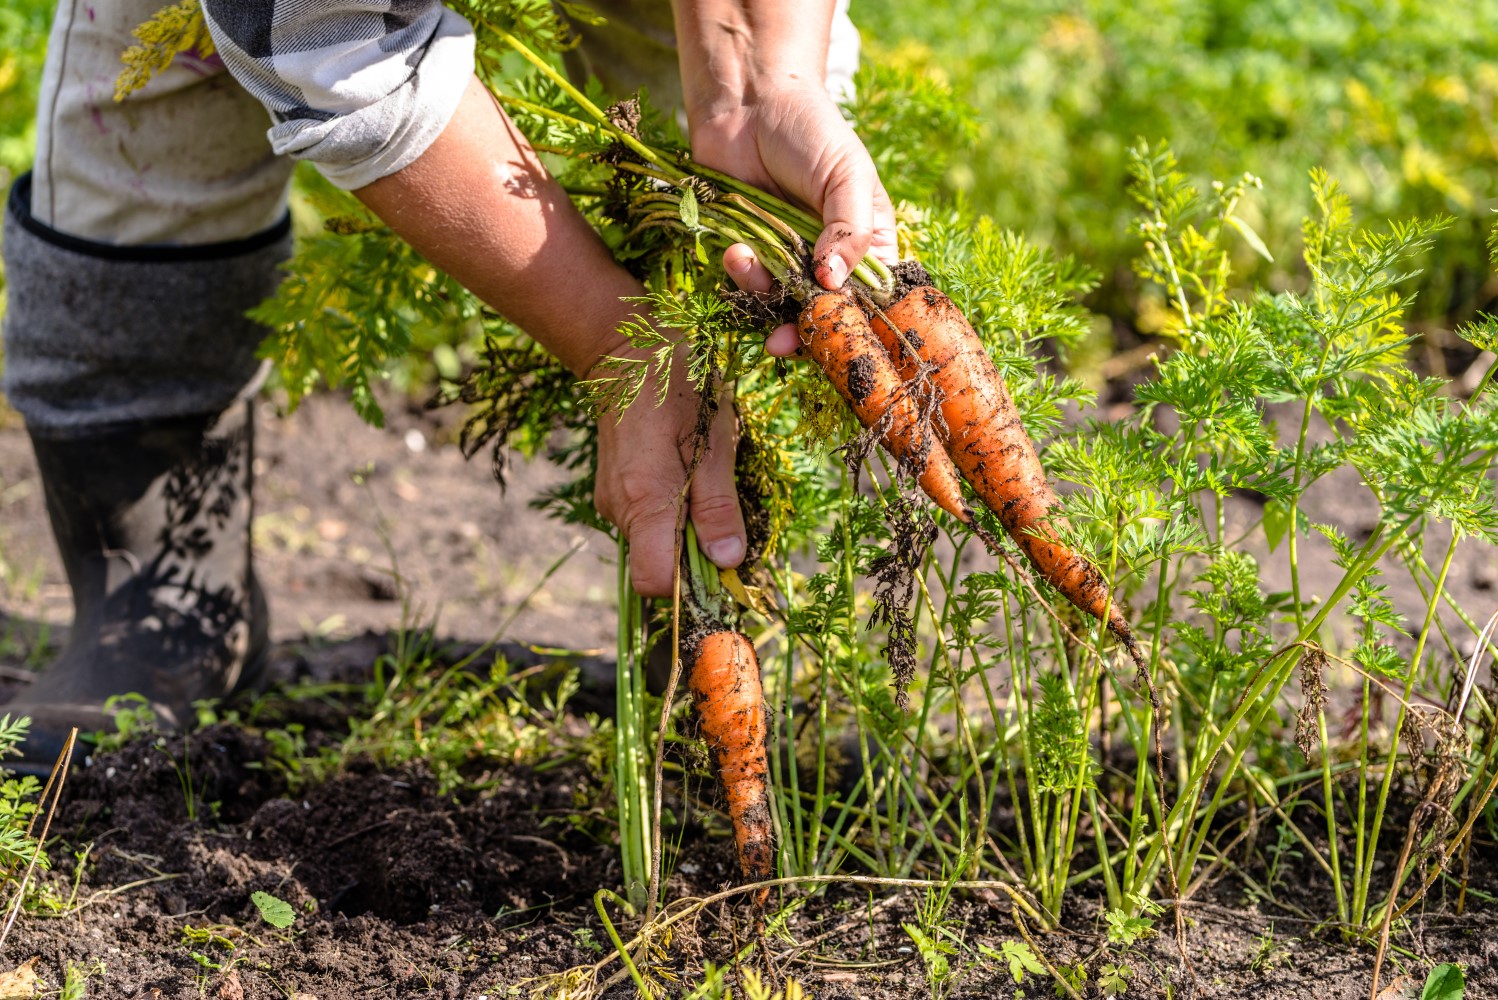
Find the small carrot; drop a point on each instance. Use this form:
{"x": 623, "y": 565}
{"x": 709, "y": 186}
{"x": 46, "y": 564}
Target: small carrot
{"x": 837, "y": 335}
{"x": 726, "y": 691}
{"x": 982, "y": 433}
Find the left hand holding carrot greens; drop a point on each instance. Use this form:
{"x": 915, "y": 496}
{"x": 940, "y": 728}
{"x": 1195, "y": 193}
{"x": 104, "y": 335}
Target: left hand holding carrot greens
{"x": 479, "y": 204}
{"x": 753, "y": 76}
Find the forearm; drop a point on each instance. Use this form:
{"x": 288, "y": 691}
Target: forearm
{"x": 730, "y": 49}
{"x": 479, "y": 204}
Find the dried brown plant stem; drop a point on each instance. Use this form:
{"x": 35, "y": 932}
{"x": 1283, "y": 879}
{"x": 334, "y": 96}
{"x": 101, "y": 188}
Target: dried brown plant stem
{"x": 54, "y": 785}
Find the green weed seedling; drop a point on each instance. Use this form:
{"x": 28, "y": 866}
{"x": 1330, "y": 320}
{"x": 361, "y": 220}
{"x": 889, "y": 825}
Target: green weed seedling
{"x": 134, "y": 719}
{"x": 47, "y": 897}
{"x": 1268, "y": 954}
{"x": 1113, "y": 979}
{"x": 77, "y": 977}
{"x": 19, "y": 850}
{"x": 936, "y": 957}
{"x": 586, "y": 940}
{"x": 276, "y": 912}
{"x": 1124, "y": 930}
{"x": 211, "y": 947}
{"x": 1017, "y": 957}
{"x": 1072, "y": 979}
{"x": 1445, "y": 982}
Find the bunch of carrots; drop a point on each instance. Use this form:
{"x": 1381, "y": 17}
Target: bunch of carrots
{"x": 899, "y": 352}
{"x": 894, "y": 365}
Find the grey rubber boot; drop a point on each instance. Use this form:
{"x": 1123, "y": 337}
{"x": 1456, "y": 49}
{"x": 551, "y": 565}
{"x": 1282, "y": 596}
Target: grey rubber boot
{"x": 132, "y": 367}
{"x": 153, "y": 523}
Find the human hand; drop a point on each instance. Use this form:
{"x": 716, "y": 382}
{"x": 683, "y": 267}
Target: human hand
{"x": 643, "y": 458}
{"x": 794, "y": 142}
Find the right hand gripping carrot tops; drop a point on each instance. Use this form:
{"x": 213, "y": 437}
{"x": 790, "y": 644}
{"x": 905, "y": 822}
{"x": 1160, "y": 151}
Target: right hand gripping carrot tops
{"x": 381, "y": 96}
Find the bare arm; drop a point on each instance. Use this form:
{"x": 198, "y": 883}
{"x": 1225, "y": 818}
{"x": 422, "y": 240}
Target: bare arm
{"x": 479, "y": 204}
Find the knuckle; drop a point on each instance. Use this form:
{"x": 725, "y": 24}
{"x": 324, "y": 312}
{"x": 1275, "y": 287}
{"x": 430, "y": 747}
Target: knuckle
{"x": 638, "y": 491}
{"x": 715, "y": 507}
{"x": 648, "y": 576}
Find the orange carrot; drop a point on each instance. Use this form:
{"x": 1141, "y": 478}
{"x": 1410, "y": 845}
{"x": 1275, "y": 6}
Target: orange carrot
{"x": 837, "y": 335}
{"x": 730, "y": 701}
{"x": 987, "y": 442}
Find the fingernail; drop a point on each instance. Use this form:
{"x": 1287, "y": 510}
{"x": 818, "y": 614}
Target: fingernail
{"x": 838, "y": 270}
{"x": 725, "y": 551}
{"x": 741, "y": 265}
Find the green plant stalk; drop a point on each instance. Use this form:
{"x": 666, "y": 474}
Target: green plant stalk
{"x": 631, "y": 789}
{"x": 1142, "y": 778}
{"x": 1476, "y": 807}
{"x": 854, "y": 678}
{"x": 1273, "y": 675}
{"x": 1105, "y": 863}
{"x": 964, "y": 728}
{"x": 1143, "y": 789}
{"x": 990, "y": 789}
{"x": 1199, "y": 825}
{"x": 1417, "y": 562}
{"x": 928, "y": 702}
{"x": 1478, "y": 804}
{"x": 994, "y": 715}
{"x": 899, "y": 807}
{"x": 1360, "y": 829}
{"x": 1093, "y": 688}
{"x": 1067, "y": 806}
{"x": 819, "y": 809}
{"x": 1330, "y": 810}
{"x": 1360, "y": 916}
{"x": 619, "y": 948}
{"x": 1019, "y": 696}
{"x": 1451, "y": 848}
{"x": 1020, "y": 819}
{"x": 836, "y": 836}
{"x": 1255, "y": 784}
{"x": 794, "y": 858}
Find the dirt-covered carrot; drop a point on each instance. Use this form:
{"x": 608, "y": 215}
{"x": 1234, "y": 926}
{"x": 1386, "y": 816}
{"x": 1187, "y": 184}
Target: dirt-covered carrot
{"x": 726, "y": 691}
{"x": 837, "y": 335}
{"x": 983, "y": 435}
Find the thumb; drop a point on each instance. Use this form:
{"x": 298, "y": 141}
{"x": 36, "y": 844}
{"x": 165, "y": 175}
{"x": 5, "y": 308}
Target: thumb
{"x": 847, "y": 214}
{"x": 713, "y": 500}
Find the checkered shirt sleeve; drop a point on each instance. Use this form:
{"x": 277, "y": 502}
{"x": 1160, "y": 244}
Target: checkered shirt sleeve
{"x": 359, "y": 87}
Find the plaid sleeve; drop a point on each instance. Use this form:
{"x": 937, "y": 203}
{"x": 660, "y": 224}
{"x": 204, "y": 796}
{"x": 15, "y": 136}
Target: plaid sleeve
{"x": 359, "y": 87}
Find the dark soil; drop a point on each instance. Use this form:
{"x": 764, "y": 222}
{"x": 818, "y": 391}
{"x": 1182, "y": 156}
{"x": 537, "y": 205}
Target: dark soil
{"x": 400, "y": 891}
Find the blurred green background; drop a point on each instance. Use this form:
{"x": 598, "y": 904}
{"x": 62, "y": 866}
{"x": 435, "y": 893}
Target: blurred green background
{"x": 1394, "y": 97}
{"x": 23, "y": 41}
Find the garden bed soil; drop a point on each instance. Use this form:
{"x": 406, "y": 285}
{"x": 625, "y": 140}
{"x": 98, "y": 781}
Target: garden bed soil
{"x": 400, "y": 891}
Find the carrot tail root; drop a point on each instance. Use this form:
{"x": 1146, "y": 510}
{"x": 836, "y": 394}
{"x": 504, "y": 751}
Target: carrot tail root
{"x": 729, "y": 698}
